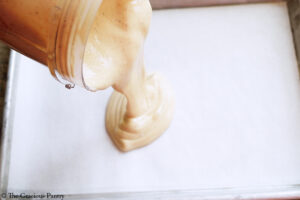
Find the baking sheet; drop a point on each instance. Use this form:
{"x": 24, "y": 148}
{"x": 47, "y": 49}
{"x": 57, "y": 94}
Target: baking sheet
{"x": 236, "y": 125}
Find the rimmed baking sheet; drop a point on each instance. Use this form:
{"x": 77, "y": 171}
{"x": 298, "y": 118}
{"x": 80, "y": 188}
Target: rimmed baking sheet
{"x": 236, "y": 130}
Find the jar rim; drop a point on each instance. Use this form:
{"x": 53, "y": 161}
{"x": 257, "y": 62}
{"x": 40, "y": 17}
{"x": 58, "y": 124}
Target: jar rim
{"x": 72, "y": 35}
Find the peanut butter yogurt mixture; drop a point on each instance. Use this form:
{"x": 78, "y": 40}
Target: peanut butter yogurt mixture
{"x": 141, "y": 108}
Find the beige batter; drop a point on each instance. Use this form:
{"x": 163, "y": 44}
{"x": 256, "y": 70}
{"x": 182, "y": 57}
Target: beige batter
{"x": 141, "y": 108}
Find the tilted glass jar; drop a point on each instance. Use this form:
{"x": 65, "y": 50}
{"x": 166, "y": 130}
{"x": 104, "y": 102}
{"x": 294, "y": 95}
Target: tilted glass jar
{"x": 52, "y": 32}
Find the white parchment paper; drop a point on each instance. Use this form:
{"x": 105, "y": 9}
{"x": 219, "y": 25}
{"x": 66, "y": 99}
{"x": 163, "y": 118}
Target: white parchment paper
{"x": 235, "y": 76}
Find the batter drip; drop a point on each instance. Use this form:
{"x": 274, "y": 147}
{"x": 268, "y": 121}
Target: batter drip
{"x": 141, "y": 108}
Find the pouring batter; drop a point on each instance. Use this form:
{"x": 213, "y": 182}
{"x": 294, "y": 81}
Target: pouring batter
{"x": 141, "y": 108}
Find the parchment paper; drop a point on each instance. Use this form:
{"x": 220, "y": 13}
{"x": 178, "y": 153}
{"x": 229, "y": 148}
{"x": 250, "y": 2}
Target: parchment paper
{"x": 235, "y": 76}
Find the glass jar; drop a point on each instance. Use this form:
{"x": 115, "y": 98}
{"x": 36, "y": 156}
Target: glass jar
{"x": 52, "y": 32}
